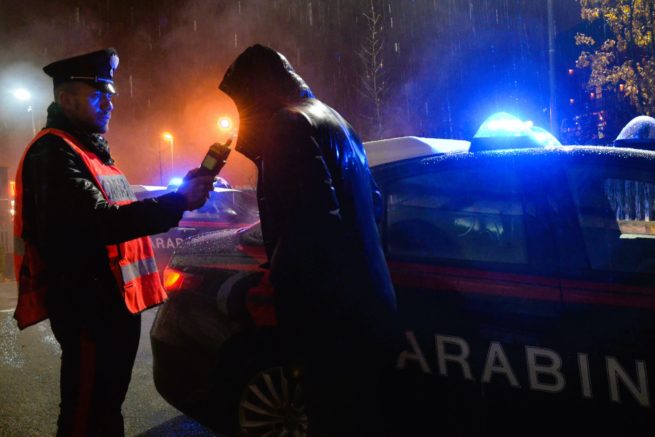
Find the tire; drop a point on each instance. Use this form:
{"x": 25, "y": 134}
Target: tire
{"x": 271, "y": 404}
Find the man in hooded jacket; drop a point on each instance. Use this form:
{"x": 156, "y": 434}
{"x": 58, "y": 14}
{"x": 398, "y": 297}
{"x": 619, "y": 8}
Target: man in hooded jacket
{"x": 334, "y": 299}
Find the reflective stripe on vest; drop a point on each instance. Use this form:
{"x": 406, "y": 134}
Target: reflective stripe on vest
{"x": 138, "y": 268}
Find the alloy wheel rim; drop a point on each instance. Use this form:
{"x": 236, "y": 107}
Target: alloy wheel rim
{"x": 272, "y": 405}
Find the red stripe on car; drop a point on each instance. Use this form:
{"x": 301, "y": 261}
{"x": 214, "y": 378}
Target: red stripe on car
{"x": 460, "y": 280}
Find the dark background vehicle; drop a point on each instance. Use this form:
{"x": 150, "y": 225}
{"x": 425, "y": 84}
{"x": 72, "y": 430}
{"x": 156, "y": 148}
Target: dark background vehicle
{"x": 225, "y": 208}
{"x": 525, "y": 284}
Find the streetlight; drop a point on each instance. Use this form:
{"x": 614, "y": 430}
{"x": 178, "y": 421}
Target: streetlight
{"x": 169, "y": 137}
{"x": 226, "y": 126}
{"x": 225, "y": 123}
{"x": 22, "y": 95}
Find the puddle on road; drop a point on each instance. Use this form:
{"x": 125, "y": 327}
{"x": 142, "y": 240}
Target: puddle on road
{"x": 47, "y": 337}
{"x": 10, "y": 350}
{"x": 12, "y": 353}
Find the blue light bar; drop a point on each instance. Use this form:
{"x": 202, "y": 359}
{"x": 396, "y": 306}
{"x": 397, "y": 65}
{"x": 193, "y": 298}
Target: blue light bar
{"x": 639, "y": 133}
{"x": 502, "y": 124}
{"x": 505, "y": 131}
{"x": 544, "y": 137}
{"x": 175, "y": 182}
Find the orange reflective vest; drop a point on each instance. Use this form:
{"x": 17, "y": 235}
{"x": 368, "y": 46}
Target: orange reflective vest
{"x": 132, "y": 262}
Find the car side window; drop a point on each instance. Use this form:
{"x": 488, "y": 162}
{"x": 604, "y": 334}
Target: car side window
{"x": 615, "y": 211}
{"x": 465, "y": 214}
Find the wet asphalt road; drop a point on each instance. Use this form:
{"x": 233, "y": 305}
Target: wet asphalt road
{"x": 29, "y": 383}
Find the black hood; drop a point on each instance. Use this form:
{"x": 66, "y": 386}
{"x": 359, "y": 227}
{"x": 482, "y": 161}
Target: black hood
{"x": 260, "y": 81}
{"x": 262, "y": 74}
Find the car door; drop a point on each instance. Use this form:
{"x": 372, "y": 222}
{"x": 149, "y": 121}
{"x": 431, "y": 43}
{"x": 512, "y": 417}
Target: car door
{"x": 473, "y": 261}
{"x": 608, "y": 286}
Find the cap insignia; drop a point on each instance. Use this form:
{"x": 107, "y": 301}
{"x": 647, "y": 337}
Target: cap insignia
{"x": 113, "y": 63}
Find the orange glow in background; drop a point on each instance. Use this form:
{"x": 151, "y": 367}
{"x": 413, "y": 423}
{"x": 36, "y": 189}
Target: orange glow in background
{"x": 200, "y": 119}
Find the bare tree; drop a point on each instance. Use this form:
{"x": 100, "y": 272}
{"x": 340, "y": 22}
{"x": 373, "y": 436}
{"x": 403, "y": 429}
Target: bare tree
{"x": 372, "y": 74}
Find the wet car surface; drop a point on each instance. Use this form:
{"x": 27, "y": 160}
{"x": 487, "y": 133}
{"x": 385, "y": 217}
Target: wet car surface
{"x": 225, "y": 208}
{"x": 525, "y": 283}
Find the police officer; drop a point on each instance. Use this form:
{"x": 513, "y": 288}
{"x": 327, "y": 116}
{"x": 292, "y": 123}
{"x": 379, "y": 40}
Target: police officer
{"x": 83, "y": 258}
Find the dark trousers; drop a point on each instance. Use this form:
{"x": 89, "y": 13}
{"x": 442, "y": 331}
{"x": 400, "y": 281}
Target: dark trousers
{"x": 98, "y": 352}
{"x": 342, "y": 381}
{"x": 343, "y": 396}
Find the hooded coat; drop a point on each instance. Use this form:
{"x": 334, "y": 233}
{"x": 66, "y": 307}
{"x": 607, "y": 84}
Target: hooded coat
{"x": 316, "y": 198}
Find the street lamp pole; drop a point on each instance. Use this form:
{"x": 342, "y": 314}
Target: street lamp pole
{"x": 30, "y": 109}
{"x": 161, "y": 176}
{"x": 169, "y": 137}
{"x": 172, "y": 174}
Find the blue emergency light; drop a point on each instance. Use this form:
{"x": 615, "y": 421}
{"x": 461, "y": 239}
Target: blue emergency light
{"x": 639, "y": 133}
{"x": 219, "y": 182}
{"x": 175, "y": 182}
{"x": 505, "y": 131}
{"x": 544, "y": 137}
{"x": 502, "y": 124}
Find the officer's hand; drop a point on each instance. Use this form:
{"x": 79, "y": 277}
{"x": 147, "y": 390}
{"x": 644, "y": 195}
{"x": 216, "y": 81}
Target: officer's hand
{"x": 196, "y": 188}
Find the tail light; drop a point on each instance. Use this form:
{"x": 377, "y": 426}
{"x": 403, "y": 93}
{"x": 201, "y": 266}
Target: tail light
{"x": 177, "y": 280}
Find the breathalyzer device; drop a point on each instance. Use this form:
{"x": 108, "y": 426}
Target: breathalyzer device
{"x": 215, "y": 158}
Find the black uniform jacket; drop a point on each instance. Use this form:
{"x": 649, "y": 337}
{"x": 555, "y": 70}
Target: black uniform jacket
{"x": 66, "y": 216}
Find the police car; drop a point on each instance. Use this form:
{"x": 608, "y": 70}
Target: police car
{"x": 225, "y": 208}
{"x": 525, "y": 277}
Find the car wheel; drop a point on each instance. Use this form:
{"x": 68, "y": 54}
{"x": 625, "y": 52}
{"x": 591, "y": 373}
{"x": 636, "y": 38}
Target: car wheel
{"x": 272, "y": 404}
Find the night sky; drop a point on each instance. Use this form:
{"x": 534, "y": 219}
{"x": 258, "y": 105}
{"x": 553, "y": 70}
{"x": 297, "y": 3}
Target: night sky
{"x": 447, "y": 65}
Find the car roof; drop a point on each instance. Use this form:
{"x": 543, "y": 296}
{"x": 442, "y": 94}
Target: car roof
{"x": 398, "y": 149}
{"x": 405, "y": 148}
{"x": 594, "y": 155}
{"x": 583, "y": 153}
